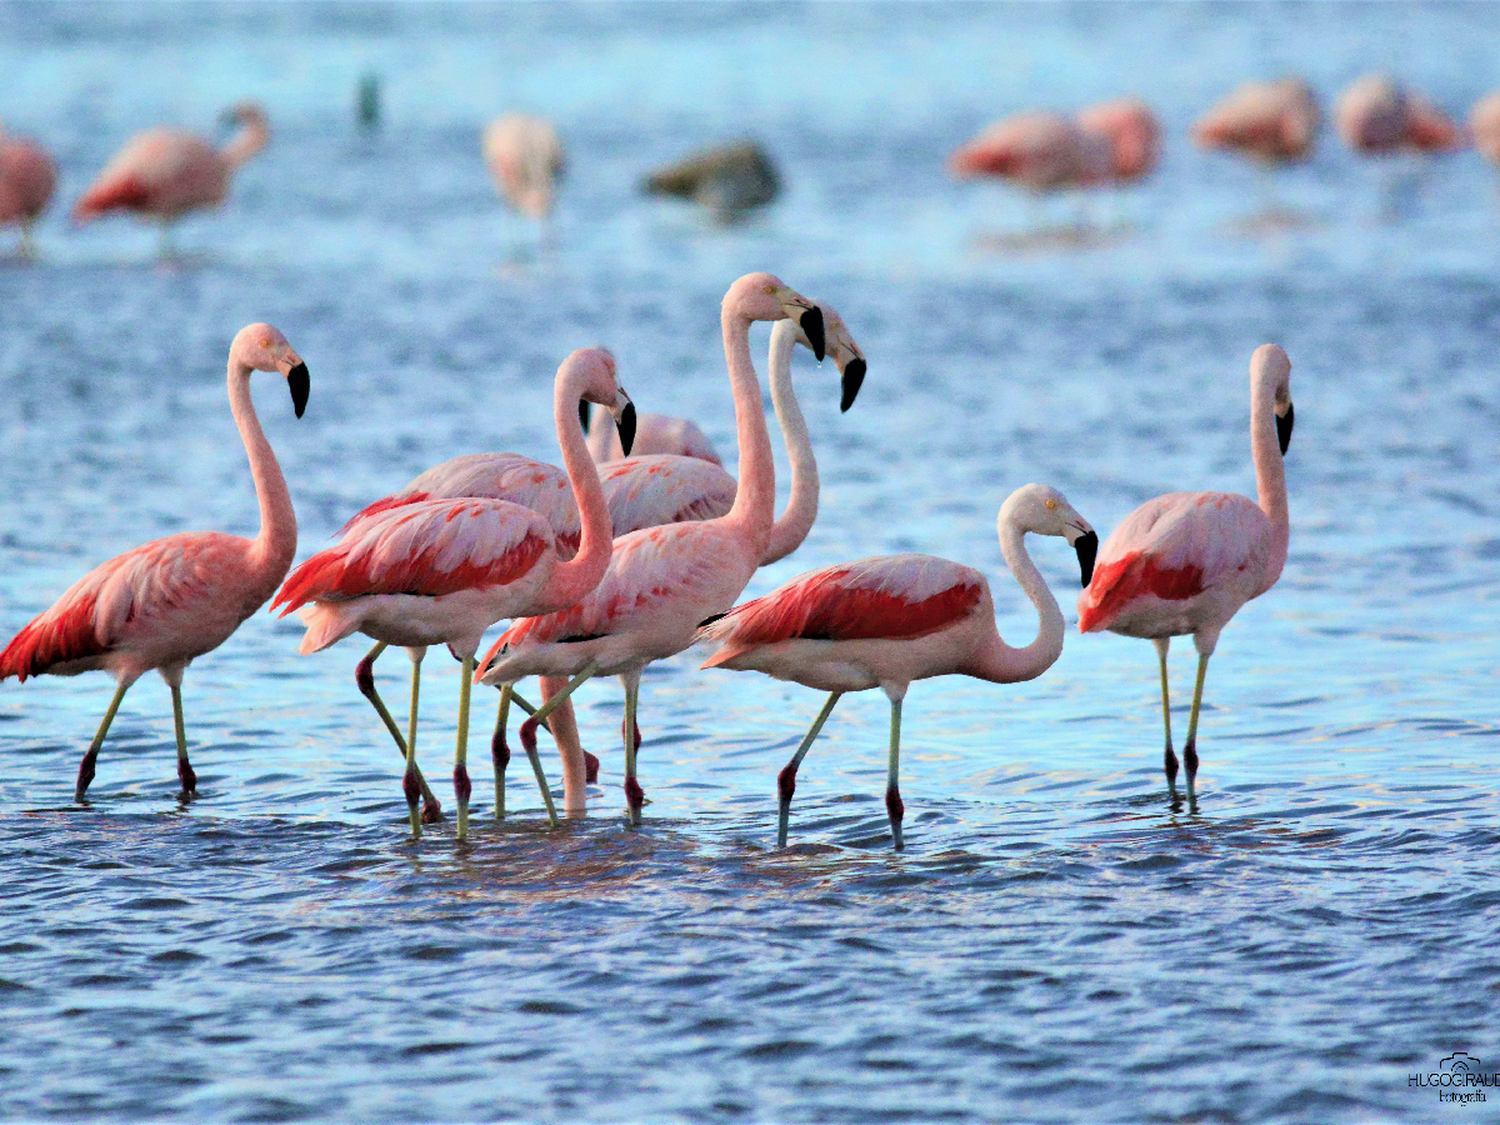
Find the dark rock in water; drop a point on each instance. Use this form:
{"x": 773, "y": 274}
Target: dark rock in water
{"x": 726, "y": 179}
{"x": 367, "y": 104}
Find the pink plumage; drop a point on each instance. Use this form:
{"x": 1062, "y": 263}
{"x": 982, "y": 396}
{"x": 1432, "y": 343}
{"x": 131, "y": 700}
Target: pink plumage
{"x": 1376, "y": 114}
{"x": 1275, "y": 122}
{"x": 27, "y": 179}
{"x": 1114, "y": 142}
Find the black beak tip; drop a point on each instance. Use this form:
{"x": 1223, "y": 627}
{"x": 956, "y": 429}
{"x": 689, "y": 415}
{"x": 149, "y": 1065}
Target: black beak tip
{"x": 1284, "y": 429}
{"x": 1088, "y": 549}
{"x": 812, "y": 325}
{"x": 583, "y": 414}
{"x": 297, "y": 379}
{"x": 627, "y": 427}
{"x": 854, "y": 378}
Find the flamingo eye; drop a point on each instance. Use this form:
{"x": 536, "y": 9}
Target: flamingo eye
{"x": 265, "y": 341}
{"x": 770, "y": 290}
{"x": 1051, "y": 505}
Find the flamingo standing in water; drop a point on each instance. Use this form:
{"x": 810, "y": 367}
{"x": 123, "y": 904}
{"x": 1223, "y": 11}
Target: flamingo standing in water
{"x": 1110, "y": 143}
{"x": 164, "y": 173}
{"x": 1185, "y": 562}
{"x": 1272, "y": 122}
{"x": 663, "y": 581}
{"x": 27, "y": 177}
{"x": 1484, "y": 126}
{"x": 443, "y": 571}
{"x": 1378, "y": 115}
{"x": 525, "y": 159}
{"x": 172, "y": 600}
{"x": 651, "y": 491}
{"x": 886, "y": 621}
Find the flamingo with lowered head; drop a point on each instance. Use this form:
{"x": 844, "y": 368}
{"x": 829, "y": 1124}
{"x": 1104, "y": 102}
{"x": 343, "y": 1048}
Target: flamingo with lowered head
{"x": 886, "y": 621}
{"x": 1110, "y": 143}
{"x": 651, "y": 491}
{"x": 1273, "y": 122}
{"x": 1185, "y": 562}
{"x": 444, "y": 571}
{"x": 663, "y": 581}
{"x": 27, "y": 177}
{"x": 167, "y": 602}
{"x": 1376, "y": 115}
{"x": 163, "y": 173}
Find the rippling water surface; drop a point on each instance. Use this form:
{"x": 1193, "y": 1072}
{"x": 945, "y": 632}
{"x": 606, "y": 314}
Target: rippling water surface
{"x": 1058, "y": 941}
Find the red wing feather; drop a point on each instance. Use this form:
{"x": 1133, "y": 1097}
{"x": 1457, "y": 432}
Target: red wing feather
{"x": 128, "y": 193}
{"x": 1119, "y": 582}
{"x": 64, "y": 633}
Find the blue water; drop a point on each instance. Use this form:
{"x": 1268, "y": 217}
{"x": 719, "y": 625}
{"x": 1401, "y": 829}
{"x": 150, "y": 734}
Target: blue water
{"x": 1059, "y": 941}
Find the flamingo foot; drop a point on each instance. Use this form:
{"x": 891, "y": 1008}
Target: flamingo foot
{"x": 1169, "y": 764}
{"x": 896, "y": 810}
{"x": 786, "y": 785}
{"x": 432, "y": 811}
{"x": 85, "y": 774}
{"x": 186, "y": 775}
{"x": 1190, "y": 759}
{"x": 590, "y": 768}
{"x": 635, "y": 797}
{"x": 413, "y": 790}
{"x": 463, "y": 789}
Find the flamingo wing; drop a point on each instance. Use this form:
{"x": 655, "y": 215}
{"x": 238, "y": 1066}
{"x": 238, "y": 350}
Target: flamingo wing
{"x": 160, "y": 170}
{"x": 890, "y": 597}
{"x": 430, "y": 548}
{"x": 662, "y": 489}
{"x": 1174, "y": 548}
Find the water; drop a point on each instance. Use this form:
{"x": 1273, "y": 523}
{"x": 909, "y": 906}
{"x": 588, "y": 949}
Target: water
{"x": 1058, "y": 942}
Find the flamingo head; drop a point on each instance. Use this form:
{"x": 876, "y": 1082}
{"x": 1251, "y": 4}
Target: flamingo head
{"x": 762, "y": 296}
{"x": 844, "y": 352}
{"x": 1271, "y": 374}
{"x": 260, "y": 347}
{"x": 589, "y": 375}
{"x": 1042, "y": 510}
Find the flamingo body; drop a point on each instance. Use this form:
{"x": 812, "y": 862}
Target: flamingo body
{"x": 27, "y": 179}
{"x": 1114, "y": 142}
{"x": 649, "y": 491}
{"x": 1377, "y": 114}
{"x": 1484, "y": 125}
{"x": 655, "y": 433}
{"x": 525, "y": 159}
{"x": 1274, "y": 122}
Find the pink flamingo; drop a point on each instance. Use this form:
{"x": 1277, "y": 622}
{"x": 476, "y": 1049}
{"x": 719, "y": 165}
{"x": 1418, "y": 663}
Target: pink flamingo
{"x": 443, "y": 571}
{"x": 663, "y": 581}
{"x": 525, "y": 159}
{"x": 1115, "y": 142}
{"x": 652, "y": 491}
{"x": 27, "y": 177}
{"x": 164, "y": 173}
{"x": 655, "y": 433}
{"x": 1273, "y": 122}
{"x": 1484, "y": 126}
{"x": 169, "y": 601}
{"x": 1185, "y": 562}
{"x": 1377, "y": 114}
{"x": 886, "y": 621}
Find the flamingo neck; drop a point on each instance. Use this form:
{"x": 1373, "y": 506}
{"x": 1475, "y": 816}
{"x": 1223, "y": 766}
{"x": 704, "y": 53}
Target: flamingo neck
{"x": 1270, "y": 475}
{"x": 754, "y": 508}
{"x": 796, "y": 521}
{"x": 276, "y": 542}
{"x": 571, "y": 580}
{"x": 251, "y": 138}
{"x": 1001, "y": 663}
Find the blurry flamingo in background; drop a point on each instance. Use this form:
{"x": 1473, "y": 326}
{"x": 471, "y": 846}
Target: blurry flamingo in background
{"x": 1484, "y": 126}
{"x": 27, "y": 177}
{"x": 167, "y": 602}
{"x": 1271, "y": 122}
{"x": 162, "y": 173}
{"x": 663, "y": 581}
{"x": 655, "y": 433}
{"x": 1185, "y": 562}
{"x": 886, "y": 621}
{"x": 652, "y": 491}
{"x": 443, "y": 571}
{"x": 1377, "y": 115}
{"x": 525, "y": 160}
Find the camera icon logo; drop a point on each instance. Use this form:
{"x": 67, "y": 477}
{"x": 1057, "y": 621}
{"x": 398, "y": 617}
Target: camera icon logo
{"x": 1460, "y": 1062}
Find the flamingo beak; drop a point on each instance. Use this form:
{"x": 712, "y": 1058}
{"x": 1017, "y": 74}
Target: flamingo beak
{"x": 1087, "y": 547}
{"x": 852, "y": 379}
{"x": 625, "y": 420}
{"x": 300, "y": 384}
{"x": 583, "y": 414}
{"x": 1284, "y": 428}
{"x": 812, "y": 324}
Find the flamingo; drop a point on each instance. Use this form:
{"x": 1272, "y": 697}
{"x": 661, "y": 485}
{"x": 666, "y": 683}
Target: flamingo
{"x": 1185, "y": 562}
{"x": 174, "y": 599}
{"x": 1114, "y": 142}
{"x": 525, "y": 159}
{"x": 654, "y": 433}
{"x": 663, "y": 581}
{"x": 443, "y": 571}
{"x": 886, "y": 621}
{"x": 1377, "y": 114}
{"x": 27, "y": 177}
{"x": 164, "y": 173}
{"x": 651, "y": 491}
{"x": 1273, "y": 122}
{"x": 1484, "y": 125}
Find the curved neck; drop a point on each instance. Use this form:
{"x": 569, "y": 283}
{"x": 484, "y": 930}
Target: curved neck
{"x": 1270, "y": 473}
{"x": 276, "y": 542}
{"x": 1003, "y": 664}
{"x": 571, "y": 580}
{"x": 251, "y": 138}
{"x": 755, "y": 497}
{"x": 796, "y": 521}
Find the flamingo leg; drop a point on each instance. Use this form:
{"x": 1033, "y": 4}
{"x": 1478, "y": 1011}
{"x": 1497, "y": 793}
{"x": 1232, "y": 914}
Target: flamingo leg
{"x": 893, "y": 805}
{"x": 86, "y": 767}
{"x": 462, "y": 787}
{"x": 1190, "y": 747}
{"x": 635, "y": 796}
{"x": 1169, "y": 759}
{"x": 185, "y": 772}
{"x": 528, "y": 735}
{"x": 409, "y": 781}
{"x": 786, "y": 780}
{"x": 27, "y": 249}
{"x": 364, "y": 678}
{"x": 499, "y": 748}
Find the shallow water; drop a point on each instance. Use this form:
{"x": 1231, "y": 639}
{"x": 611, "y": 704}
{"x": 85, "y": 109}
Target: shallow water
{"x": 1058, "y": 941}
